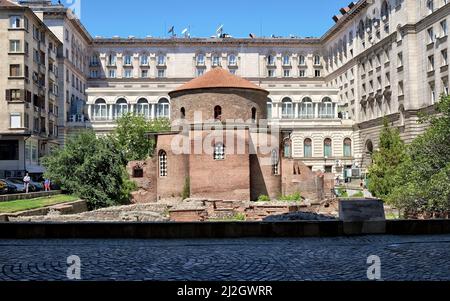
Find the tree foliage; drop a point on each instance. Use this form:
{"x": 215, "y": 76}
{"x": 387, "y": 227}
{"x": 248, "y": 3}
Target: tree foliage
{"x": 91, "y": 168}
{"x": 391, "y": 154}
{"x": 130, "y": 135}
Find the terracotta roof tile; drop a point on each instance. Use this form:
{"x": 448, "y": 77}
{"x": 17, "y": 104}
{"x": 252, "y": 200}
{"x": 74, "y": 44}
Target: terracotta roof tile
{"x": 218, "y": 78}
{"x": 6, "y": 3}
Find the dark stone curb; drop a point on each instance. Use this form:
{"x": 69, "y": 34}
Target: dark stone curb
{"x": 219, "y": 230}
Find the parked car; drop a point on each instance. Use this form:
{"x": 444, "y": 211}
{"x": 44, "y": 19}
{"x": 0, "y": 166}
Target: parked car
{"x": 34, "y": 186}
{"x": 12, "y": 187}
{"x": 3, "y": 187}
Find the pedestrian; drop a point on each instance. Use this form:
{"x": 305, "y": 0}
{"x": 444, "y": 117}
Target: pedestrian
{"x": 47, "y": 184}
{"x": 26, "y": 182}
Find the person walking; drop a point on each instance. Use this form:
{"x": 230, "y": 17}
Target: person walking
{"x": 47, "y": 184}
{"x": 26, "y": 182}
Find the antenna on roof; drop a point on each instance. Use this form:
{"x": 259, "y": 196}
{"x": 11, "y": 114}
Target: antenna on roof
{"x": 219, "y": 31}
{"x": 252, "y": 36}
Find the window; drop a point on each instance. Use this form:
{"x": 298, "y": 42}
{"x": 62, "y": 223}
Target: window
{"x": 431, "y": 36}
{"x": 307, "y": 148}
{"x": 326, "y": 108}
{"x": 271, "y": 60}
{"x": 16, "y": 121}
{"x": 200, "y": 72}
{"x": 400, "y": 89}
{"x": 162, "y": 164}
{"x": 14, "y": 70}
{"x": 144, "y": 73}
{"x": 302, "y": 73}
{"x": 287, "y": 73}
{"x": 161, "y": 73}
{"x": 269, "y": 109}
{"x": 219, "y": 152}
{"x": 161, "y": 60}
{"x": 328, "y": 148}
{"x": 9, "y": 150}
{"x": 112, "y": 73}
{"x": 317, "y": 60}
{"x": 430, "y": 6}
{"x": 400, "y": 60}
{"x": 287, "y": 110}
{"x": 444, "y": 28}
{"x": 385, "y": 11}
{"x": 287, "y": 148}
{"x": 200, "y": 59}
{"x": 275, "y": 158}
{"x": 183, "y": 113}
{"x": 347, "y": 147}
{"x": 432, "y": 93}
{"x": 163, "y": 108}
{"x": 144, "y": 60}
{"x": 253, "y": 114}
{"x": 100, "y": 110}
{"x": 216, "y": 61}
{"x": 306, "y": 108}
{"x": 232, "y": 60}
{"x": 301, "y": 60}
{"x": 14, "y": 22}
{"x": 286, "y": 60}
{"x": 271, "y": 73}
{"x": 444, "y": 57}
{"x": 218, "y": 113}
{"x": 112, "y": 60}
{"x": 317, "y": 73}
{"x": 128, "y": 73}
{"x": 121, "y": 107}
{"x": 143, "y": 107}
{"x": 138, "y": 172}
{"x": 127, "y": 60}
{"x": 14, "y": 46}
{"x": 445, "y": 89}
{"x": 431, "y": 63}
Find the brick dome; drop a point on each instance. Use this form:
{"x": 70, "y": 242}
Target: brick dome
{"x": 218, "y": 78}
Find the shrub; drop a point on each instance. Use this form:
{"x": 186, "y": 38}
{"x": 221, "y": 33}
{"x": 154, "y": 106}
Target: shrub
{"x": 264, "y": 198}
{"x": 296, "y": 197}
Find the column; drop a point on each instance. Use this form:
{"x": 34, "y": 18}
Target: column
{"x": 316, "y": 110}
{"x": 335, "y": 107}
{"x": 296, "y": 110}
{"x": 110, "y": 114}
{"x": 280, "y": 110}
{"x": 132, "y": 108}
{"x": 152, "y": 114}
{"x": 90, "y": 107}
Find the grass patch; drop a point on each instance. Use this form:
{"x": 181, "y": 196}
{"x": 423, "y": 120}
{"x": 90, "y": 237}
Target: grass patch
{"x": 239, "y": 217}
{"x": 22, "y": 205}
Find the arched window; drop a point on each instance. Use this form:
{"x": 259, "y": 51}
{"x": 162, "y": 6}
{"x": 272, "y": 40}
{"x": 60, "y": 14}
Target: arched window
{"x": 219, "y": 152}
{"x": 369, "y": 147}
{"x": 216, "y": 61}
{"x": 288, "y": 108}
{"x": 361, "y": 30}
{"x": 183, "y": 113}
{"x": 286, "y": 60}
{"x": 306, "y": 108}
{"x": 100, "y": 110}
{"x": 218, "y": 113}
{"x": 328, "y": 148}
{"x": 143, "y": 108}
{"x": 347, "y": 147}
{"x": 200, "y": 59}
{"x": 307, "y": 148}
{"x": 301, "y": 60}
{"x": 326, "y": 108}
{"x": 162, "y": 157}
{"x": 270, "y": 60}
{"x": 275, "y": 158}
{"x": 163, "y": 108}
{"x": 269, "y": 109}
{"x": 287, "y": 148}
{"x": 232, "y": 60}
{"x": 385, "y": 11}
{"x": 121, "y": 107}
{"x": 144, "y": 59}
{"x": 253, "y": 114}
{"x": 127, "y": 60}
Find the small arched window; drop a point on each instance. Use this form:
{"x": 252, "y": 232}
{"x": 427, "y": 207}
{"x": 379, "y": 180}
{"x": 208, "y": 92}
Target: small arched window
{"x": 121, "y": 107}
{"x": 143, "y": 107}
{"x": 275, "y": 158}
{"x": 307, "y": 148}
{"x": 163, "y": 108}
{"x": 287, "y": 108}
{"x": 100, "y": 110}
{"x": 219, "y": 151}
{"x": 306, "y": 108}
{"x": 253, "y": 114}
{"x": 163, "y": 172}
{"x": 218, "y": 113}
{"x": 183, "y": 113}
{"x": 287, "y": 148}
{"x": 347, "y": 147}
{"x": 328, "y": 148}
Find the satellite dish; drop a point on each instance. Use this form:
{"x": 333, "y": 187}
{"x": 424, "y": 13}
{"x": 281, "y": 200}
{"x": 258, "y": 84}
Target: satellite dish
{"x": 252, "y": 36}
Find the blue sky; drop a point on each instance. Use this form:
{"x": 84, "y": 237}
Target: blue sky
{"x": 240, "y": 17}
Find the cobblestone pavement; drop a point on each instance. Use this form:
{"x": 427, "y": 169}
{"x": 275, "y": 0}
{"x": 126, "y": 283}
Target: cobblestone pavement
{"x": 345, "y": 258}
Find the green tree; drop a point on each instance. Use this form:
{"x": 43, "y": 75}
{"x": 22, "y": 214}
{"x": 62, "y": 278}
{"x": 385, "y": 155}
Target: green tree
{"x": 391, "y": 153}
{"x": 130, "y": 135}
{"x": 423, "y": 180}
{"x": 91, "y": 168}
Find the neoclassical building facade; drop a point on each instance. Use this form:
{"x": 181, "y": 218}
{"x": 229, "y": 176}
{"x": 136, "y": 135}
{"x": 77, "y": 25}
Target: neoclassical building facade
{"x": 381, "y": 59}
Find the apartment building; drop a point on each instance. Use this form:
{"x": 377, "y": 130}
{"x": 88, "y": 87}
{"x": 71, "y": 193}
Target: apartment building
{"x": 29, "y": 81}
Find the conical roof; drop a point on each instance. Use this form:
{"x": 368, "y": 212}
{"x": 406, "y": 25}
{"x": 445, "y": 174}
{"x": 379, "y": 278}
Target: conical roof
{"x": 218, "y": 78}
